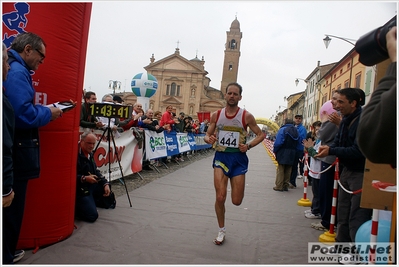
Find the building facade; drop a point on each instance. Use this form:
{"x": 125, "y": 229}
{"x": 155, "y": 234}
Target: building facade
{"x": 184, "y": 84}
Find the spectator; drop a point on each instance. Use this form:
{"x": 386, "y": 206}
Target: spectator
{"x": 204, "y": 126}
{"x": 91, "y": 186}
{"x": 167, "y": 120}
{"x": 147, "y": 122}
{"x": 312, "y": 136}
{"x": 350, "y": 215}
{"x": 27, "y": 52}
{"x": 312, "y": 133}
{"x": 188, "y": 127}
{"x": 196, "y": 126}
{"x": 180, "y": 123}
{"x": 336, "y": 116}
{"x": 327, "y": 133}
{"x": 86, "y": 119}
{"x": 300, "y": 151}
{"x": 136, "y": 116}
{"x": 8, "y": 139}
{"x": 112, "y": 122}
{"x": 378, "y": 121}
{"x": 285, "y": 148}
{"x": 122, "y": 121}
{"x": 314, "y": 172}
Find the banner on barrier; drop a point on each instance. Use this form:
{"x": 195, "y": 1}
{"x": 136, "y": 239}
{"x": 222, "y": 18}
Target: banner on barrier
{"x": 106, "y": 155}
{"x": 158, "y": 145}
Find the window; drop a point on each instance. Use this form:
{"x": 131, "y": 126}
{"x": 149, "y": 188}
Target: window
{"x": 324, "y": 99}
{"x": 173, "y": 89}
{"x": 316, "y": 107}
{"x": 230, "y": 67}
{"x": 358, "y": 78}
{"x": 346, "y": 84}
{"x": 233, "y": 44}
{"x": 340, "y": 71}
{"x": 338, "y": 86}
{"x": 310, "y": 110}
{"x": 349, "y": 66}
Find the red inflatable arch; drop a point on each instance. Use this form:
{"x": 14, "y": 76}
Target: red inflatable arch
{"x": 49, "y": 211}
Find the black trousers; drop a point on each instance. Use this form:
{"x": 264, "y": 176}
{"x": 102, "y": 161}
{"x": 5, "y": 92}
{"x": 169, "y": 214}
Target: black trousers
{"x": 12, "y": 220}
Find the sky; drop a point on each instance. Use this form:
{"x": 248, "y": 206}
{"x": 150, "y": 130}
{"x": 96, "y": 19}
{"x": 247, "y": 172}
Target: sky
{"x": 282, "y": 41}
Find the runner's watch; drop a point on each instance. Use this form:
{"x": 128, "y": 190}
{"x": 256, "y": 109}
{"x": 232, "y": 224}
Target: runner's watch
{"x": 249, "y": 146}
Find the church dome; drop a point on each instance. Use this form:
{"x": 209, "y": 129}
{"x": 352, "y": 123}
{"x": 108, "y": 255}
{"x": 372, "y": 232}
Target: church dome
{"x": 196, "y": 59}
{"x": 235, "y": 24}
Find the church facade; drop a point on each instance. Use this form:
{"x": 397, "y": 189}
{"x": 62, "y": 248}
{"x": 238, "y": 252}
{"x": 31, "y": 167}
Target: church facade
{"x": 184, "y": 84}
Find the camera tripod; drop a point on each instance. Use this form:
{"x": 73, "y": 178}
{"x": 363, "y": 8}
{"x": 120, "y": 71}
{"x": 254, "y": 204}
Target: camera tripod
{"x": 110, "y": 136}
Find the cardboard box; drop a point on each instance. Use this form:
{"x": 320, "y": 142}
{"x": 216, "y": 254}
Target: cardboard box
{"x": 372, "y": 198}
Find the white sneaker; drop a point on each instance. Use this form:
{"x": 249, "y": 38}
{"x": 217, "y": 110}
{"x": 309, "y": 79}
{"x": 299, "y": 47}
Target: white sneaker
{"x": 318, "y": 226}
{"x": 307, "y": 211}
{"x": 312, "y": 216}
{"x": 220, "y": 239}
{"x": 19, "y": 254}
{"x": 299, "y": 177}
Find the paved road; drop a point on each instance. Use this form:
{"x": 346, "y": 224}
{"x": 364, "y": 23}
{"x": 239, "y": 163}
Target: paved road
{"x": 172, "y": 221}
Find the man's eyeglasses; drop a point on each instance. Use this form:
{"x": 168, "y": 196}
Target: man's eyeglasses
{"x": 41, "y": 54}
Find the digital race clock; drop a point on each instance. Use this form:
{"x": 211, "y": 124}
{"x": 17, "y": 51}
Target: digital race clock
{"x": 109, "y": 110}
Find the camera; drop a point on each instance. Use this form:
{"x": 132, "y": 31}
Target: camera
{"x": 372, "y": 46}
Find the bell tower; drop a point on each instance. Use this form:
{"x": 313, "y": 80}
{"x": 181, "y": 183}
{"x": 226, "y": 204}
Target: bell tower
{"x": 231, "y": 55}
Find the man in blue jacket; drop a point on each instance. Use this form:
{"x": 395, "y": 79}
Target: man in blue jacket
{"x": 350, "y": 216}
{"x": 300, "y": 150}
{"x": 285, "y": 148}
{"x": 27, "y": 52}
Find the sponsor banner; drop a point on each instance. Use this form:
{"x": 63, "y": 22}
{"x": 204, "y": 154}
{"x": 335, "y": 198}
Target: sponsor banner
{"x": 158, "y": 145}
{"x": 106, "y": 154}
{"x": 155, "y": 145}
{"x": 365, "y": 252}
{"x": 183, "y": 142}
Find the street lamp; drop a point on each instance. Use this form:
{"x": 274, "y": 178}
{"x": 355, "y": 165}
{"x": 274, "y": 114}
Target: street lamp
{"x": 114, "y": 85}
{"x": 297, "y": 81}
{"x": 327, "y": 40}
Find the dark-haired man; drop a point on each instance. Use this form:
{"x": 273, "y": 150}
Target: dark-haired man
{"x": 86, "y": 119}
{"x": 228, "y": 133}
{"x": 350, "y": 216}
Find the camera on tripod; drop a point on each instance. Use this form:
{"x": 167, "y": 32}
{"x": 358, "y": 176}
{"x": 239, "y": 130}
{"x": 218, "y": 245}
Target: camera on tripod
{"x": 372, "y": 46}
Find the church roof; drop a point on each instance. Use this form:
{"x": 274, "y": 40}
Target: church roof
{"x": 177, "y": 56}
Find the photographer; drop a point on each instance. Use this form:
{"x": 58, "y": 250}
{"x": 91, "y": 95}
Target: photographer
{"x": 92, "y": 189}
{"x": 378, "y": 119}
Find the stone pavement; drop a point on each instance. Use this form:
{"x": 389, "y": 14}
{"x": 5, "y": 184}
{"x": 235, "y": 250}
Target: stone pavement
{"x": 172, "y": 221}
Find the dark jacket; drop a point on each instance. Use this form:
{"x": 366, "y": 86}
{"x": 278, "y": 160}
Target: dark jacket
{"x": 86, "y": 119}
{"x": 345, "y": 144}
{"x": 8, "y": 139}
{"x": 86, "y": 166}
{"x": 151, "y": 126}
{"x": 285, "y": 146}
{"x": 376, "y": 132}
